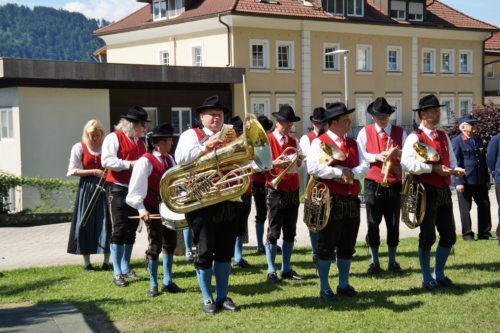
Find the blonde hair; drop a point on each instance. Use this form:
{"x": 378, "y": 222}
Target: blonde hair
{"x": 90, "y": 127}
{"x": 126, "y": 126}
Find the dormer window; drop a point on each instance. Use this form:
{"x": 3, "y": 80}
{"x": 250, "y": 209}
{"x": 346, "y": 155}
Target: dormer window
{"x": 335, "y": 7}
{"x": 416, "y": 11}
{"x": 355, "y": 7}
{"x": 398, "y": 10}
{"x": 163, "y": 9}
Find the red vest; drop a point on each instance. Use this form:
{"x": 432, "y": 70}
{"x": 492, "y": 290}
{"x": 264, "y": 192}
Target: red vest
{"x": 153, "y": 195}
{"x": 351, "y": 162}
{"x": 90, "y": 161}
{"x": 441, "y": 146}
{"x": 290, "y": 181}
{"x": 374, "y": 145}
{"x": 311, "y": 135}
{"x": 127, "y": 151}
{"x": 259, "y": 177}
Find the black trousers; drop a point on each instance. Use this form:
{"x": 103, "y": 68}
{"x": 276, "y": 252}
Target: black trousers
{"x": 243, "y": 211}
{"x": 497, "y": 192}
{"x": 159, "y": 236}
{"x": 214, "y": 233}
{"x": 123, "y": 228}
{"x": 341, "y": 230}
{"x": 382, "y": 202}
{"x": 259, "y": 196}
{"x": 283, "y": 209}
{"x": 479, "y": 193}
{"x": 438, "y": 215}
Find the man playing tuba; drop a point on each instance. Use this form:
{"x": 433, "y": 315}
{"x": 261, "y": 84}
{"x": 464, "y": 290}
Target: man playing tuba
{"x": 380, "y": 143}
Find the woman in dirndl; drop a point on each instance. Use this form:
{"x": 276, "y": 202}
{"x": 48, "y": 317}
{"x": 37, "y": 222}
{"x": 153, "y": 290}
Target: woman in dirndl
{"x": 93, "y": 236}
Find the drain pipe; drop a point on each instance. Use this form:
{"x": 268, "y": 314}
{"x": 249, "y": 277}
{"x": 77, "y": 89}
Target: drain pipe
{"x": 228, "y": 40}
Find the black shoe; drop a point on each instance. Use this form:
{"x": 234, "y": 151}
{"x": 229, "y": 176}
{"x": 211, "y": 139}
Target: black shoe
{"x": 486, "y": 237}
{"x": 261, "y": 250}
{"x": 241, "y": 264}
{"x": 348, "y": 291}
{"x": 209, "y": 307}
{"x": 131, "y": 275}
{"x": 447, "y": 283}
{"x": 468, "y": 238}
{"x": 374, "y": 269}
{"x": 431, "y": 285}
{"x": 89, "y": 267}
{"x": 292, "y": 275}
{"x": 171, "y": 288}
{"x": 395, "y": 268}
{"x": 120, "y": 281}
{"x": 273, "y": 278}
{"x": 153, "y": 292}
{"x": 227, "y": 304}
{"x": 106, "y": 266}
{"x": 328, "y": 295}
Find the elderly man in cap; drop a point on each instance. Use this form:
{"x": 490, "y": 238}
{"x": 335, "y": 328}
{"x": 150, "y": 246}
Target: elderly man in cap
{"x": 381, "y": 144}
{"x": 342, "y": 179}
{"x": 144, "y": 195}
{"x": 282, "y": 201}
{"x": 320, "y": 125}
{"x": 435, "y": 177}
{"x": 120, "y": 151}
{"x": 213, "y": 227}
{"x": 471, "y": 156}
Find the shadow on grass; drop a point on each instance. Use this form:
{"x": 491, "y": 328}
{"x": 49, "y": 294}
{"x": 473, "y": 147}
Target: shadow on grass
{"x": 32, "y": 286}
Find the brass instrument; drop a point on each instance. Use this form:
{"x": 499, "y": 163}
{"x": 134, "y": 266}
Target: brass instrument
{"x": 413, "y": 195}
{"x": 292, "y": 158}
{"x": 220, "y": 175}
{"x": 386, "y": 166}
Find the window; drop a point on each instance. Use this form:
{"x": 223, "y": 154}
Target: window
{"x": 398, "y": 10}
{"x": 165, "y": 57}
{"x": 181, "y": 119}
{"x": 6, "y": 124}
{"x": 394, "y": 58}
{"x": 465, "y": 105}
{"x": 260, "y": 106}
{"x": 259, "y": 56}
{"x": 490, "y": 71}
{"x": 428, "y": 60}
{"x": 363, "y": 57}
{"x": 416, "y": 11}
{"x": 395, "y": 117}
{"x": 152, "y": 115}
{"x": 355, "y": 7}
{"x": 280, "y": 101}
{"x": 447, "y": 61}
{"x": 361, "y": 105}
{"x": 284, "y": 55}
{"x": 197, "y": 56}
{"x": 331, "y": 61}
{"x": 447, "y": 111}
{"x": 465, "y": 61}
{"x": 335, "y": 7}
{"x": 176, "y": 8}
{"x": 163, "y": 9}
{"x": 333, "y": 98}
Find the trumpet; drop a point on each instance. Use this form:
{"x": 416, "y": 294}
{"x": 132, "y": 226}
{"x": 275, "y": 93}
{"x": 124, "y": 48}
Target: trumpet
{"x": 386, "y": 166}
{"x": 285, "y": 157}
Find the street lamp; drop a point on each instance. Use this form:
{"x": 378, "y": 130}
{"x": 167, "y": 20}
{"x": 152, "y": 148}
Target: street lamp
{"x": 344, "y": 52}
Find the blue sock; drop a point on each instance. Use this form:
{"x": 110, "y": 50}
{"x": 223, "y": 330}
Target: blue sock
{"x": 286, "y": 252}
{"x": 344, "y": 266}
{"x": 374, "y": 254}
{"x": 125, "y": 263}
{"x": 116, "y": 256}
{"x": 392, "y": 254}
{"x": 188, "y": 239}
{"x": 271, "y": 250}
{"x": 259, "y": 231}
{"x": 442, "y": 254}
{"x": 221, "y": 272}
{"x": 205, "y": 282}
{"x": 425, "y": 264}
{"x": 168, "y": 260}
{"x": 153, "y": 272}
{"x": 238, "y": 249}
{"x": 314, "y": 241}
{"x": 323, "y": 270}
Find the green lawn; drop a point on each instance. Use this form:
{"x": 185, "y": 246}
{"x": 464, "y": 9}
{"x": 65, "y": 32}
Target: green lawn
{"x": 385, "y": 304}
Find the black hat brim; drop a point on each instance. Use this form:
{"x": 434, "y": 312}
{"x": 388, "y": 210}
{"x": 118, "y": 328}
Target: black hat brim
{"x": 380, "y": 114}
{"x": 280, "y": 117}
{"x": 134, "y": 119}
{"x": 200, "y": 109}
{"x": 338, "y": 114}
{"x": 428, "y": 107}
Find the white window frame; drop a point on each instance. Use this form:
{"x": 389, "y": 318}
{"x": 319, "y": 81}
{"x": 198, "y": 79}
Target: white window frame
{"x": 419, "y": 17}
{"x": 331, "y": 98}
{"x": 461, "y": 99}
{"x": 264, "y": 102}
{"x": 282, "y": 100}
{"x": 468, "y": 53}
{"x": 452, "y": 61}
{"x": 432, "y": 69}
{"x": 359, "y": 52}
{"x": 361, "y": 103}
{"x": 400, "y": 11}
{"x": 396, "y": 101}
{"x": 179, "y": 126}
{"x": 355, "y": 6}
{"x": 399, "y": 56}
{"x": 290, "y": 45}
{"x": 152, "y": 115}
{"x": 159, "y": 16}
{"x": 265, "y": 53}
{"x": 6, "y": 130}
{"x": 447, "y": 111}
{"x": 334, "y": 3}
{"x": 165, "y": 57}
{"x": 490, "y": 71}
{"x": 197, "y": 60}
{"x": 175, "y": 8}
{"x": 329, "y": 47}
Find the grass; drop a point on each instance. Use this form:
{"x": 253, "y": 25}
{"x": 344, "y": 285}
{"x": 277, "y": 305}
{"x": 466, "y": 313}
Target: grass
{"x": 386, "y": 303}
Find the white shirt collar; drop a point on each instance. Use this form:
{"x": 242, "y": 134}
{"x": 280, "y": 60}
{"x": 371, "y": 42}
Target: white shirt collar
{"x": 333, "y": 136}
{"x": 278, "y": 136}
{"x": 387, "y": 129}
{"x": 425, "y": 129}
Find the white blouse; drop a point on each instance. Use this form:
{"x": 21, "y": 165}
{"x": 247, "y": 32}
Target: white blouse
{"x": 76, "y": 157}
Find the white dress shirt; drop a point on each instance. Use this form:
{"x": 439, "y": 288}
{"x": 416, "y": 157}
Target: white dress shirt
{"x": 362, "y": 139}
{"x": 305, "y": 143}
{"x": 76, "y": 158}
{"x": 109, "y": 158}
{"x": 329, "y": 172}
{"x": 408, "y": 161}
{"x": 189, "y": 146}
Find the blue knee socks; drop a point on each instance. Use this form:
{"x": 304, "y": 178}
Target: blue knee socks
{"x": 344, "y": 266}
{"x": 168, "y": 260}
{"x": 188, "y": 239}
{"x": 125, "y": 263}
{"x": 153, "y": 272}
{"x": 238, "y": 249}
{"x": 424, "y": 256}
{"x": 271, "y": 250}
{"x": 323, "y": 270}
{"x": 314, "y": 236}
{"x": 442, "y": 254}
{"x": 286, "y": 252}
{"x": 392, "y": 254}
{"x": 221, "y": 272}
{"x": 116, "y": 256}
{"x": 374, "y": 254}
{"x": 205, "y": 282}
{"x": 259, "y": 232}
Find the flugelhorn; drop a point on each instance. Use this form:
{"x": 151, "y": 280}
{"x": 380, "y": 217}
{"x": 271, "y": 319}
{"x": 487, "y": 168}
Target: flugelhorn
{"x": 291, "y": 158}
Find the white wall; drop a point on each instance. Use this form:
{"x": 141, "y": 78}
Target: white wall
{"x": 10, "y": 150}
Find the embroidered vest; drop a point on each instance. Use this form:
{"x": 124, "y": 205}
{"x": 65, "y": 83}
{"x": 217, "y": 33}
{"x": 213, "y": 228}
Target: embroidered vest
{"x": 90, "y": 161}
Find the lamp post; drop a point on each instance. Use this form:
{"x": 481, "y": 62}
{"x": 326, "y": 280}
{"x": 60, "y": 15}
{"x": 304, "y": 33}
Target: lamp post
{"x": 344, "y": 52}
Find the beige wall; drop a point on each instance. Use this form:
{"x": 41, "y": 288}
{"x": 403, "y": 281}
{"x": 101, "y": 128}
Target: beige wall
{"x": 10, "y": 149}
{"x": 492, "y": 84}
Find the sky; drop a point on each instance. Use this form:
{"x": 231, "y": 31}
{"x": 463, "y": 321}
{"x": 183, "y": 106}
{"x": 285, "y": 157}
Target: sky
{"x": 113, "y": 10}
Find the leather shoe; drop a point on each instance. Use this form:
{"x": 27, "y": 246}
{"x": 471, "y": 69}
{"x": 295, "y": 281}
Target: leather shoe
{"x": 89, "y": 267}
{"x": 131, "y": 275}
{"x": 261, "y": 250}
{"x": 374, "y": 269}
{"x": 171, "y": 288}
{"x": 348, "y": 291}
{"x": 395, "y": 268}
{"x": 209, "y": 307}
{"x": 431, "y": 285}
{"x": 120, "y": 281}
{"x": 486, "y": 237}
{"x": 106, "y": 266}
{"x": 292, "y": 275}
{"x": 468, "y": 238}
{"x": 241, "y": 264}
{"x": 153, "y": 292}
{"x": 447, "y": 283}
{"x": 327, "y": 295}
{"x": 227, "y": 304}
{"x": 273, "y": 278}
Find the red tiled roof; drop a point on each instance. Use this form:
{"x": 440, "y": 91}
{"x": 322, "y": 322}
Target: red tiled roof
{"x": 493, "y": 43}
{"x": 438, "y": 14}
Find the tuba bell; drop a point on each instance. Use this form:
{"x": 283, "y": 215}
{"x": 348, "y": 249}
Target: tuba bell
{"x": 220, "y": 175}
{"x": 413, "y": 195}
{"x": 317, "y": 195}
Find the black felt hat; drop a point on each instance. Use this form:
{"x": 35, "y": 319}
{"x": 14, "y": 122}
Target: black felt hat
{"x": 428, "y": 101}
{"x": 213, "y": 102}
{"x": 237, "y": 123}
{"x": 136, "y": 114}
{"x": 319, "y": 115}
{"x": 163, "y": 130}
{"x": 265, "y": 122}
{"x": 286, "y": 113}
{"x": 337, "y": 109}
{"x": 380, "y": 108}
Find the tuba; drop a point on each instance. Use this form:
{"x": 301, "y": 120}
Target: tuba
{"x": 220, "y": 175}
{"x": 413, "y": 195}
{"x": 317, "y": 194}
